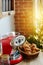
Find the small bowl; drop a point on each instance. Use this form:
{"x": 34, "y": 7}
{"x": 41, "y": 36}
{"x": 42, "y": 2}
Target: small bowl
{"x": 29, "y": 56}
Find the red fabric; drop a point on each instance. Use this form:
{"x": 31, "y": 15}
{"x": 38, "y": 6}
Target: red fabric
{"x": 6, "y": 48}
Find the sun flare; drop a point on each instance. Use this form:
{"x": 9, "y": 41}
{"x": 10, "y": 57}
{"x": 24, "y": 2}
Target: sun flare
{"x": 38, "y": 15}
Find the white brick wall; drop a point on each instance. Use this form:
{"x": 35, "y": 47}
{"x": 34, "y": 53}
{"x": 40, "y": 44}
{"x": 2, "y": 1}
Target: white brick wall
{"x": 7, "y": 24}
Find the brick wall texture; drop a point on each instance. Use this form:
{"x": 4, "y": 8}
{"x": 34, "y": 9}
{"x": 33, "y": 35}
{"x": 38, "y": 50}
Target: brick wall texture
{"x": 24, "y": 16}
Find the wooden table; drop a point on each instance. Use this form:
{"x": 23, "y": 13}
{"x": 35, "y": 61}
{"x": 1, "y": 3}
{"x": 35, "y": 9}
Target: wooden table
{"x": 36, "y": 61}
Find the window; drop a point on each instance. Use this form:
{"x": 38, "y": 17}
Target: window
{"x": 7, "y": 5}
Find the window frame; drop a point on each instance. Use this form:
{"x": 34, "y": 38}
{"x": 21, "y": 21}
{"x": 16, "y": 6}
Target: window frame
{"x": 2, "y": 14}
{"x": 0, "y": 8}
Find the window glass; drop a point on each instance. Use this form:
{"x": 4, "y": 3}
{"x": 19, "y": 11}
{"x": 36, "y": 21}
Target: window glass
{"x": 7, "y": 5}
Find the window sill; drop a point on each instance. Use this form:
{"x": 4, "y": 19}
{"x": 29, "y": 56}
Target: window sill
{"x": 4, "y": 14}
{"x": 8, "y": 12}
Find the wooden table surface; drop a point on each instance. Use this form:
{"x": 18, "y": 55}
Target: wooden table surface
{"x": 36, "y": 61}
